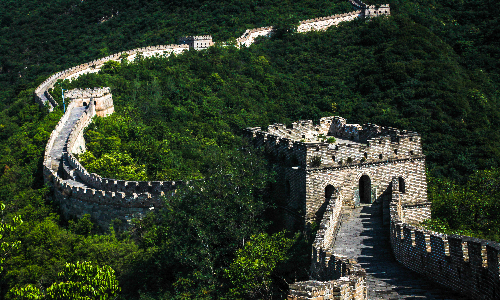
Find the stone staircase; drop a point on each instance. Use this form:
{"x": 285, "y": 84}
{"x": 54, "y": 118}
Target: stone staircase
{"x": 364, "y": 238}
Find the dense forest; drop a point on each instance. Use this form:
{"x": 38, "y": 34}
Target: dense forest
{"x": 432, "y": 67}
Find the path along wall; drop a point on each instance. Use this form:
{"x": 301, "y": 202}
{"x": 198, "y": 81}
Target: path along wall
{"x": 465, "y": 264}
{"x": 336, "y": 277}
{"x": 78, "y": 192}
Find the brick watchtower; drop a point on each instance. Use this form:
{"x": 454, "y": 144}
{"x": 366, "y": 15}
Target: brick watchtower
{"x": 353, "y": 162}
{"x": 198, "y": 42}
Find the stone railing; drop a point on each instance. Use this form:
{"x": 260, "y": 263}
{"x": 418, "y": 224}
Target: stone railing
{"x": 330, "y": 223}
{"x": 467, "y": 265}
{"x": 340, "y": 278}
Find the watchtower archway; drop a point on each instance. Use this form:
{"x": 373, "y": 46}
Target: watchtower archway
{"x": 365, "y": 187}
{"x": 329, "y": 191}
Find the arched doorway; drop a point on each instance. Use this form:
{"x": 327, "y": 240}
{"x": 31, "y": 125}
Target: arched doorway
{"x": 402, "y": 187}
{"x": 365, "y": 187}
{"x": 329, "y": 190}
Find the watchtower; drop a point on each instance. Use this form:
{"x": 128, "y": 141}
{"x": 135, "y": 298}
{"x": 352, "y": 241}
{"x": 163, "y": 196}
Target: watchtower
{"x": 198, "y": 42}
{"x": 350, "y": 162}
{"x": 377, "y": 10}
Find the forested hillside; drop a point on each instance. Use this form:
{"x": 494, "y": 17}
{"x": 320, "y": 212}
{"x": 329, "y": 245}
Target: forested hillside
{"x": 432, "y": 67}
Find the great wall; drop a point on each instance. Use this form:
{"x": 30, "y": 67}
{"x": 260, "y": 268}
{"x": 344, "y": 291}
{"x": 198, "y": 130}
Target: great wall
{"x": 366, "y": 170}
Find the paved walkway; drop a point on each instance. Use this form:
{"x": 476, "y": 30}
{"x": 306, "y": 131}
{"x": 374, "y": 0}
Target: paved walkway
{"x": 60, "y": 143}
{"x": 363, "y": 237}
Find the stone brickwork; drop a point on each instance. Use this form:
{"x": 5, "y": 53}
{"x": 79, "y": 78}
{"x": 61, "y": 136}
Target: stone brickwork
{"x": 464, "y": 264}
{"x": 249, "y": 36}
{"x": 377, "y": 10}
{"x": 338, "y": 278}
{"x": 321, "y": 24}
{"x": 43, "y": 97}
{"x": 201, "y": 42}
{"x": 322, "y": 180}
{"x": 333, "y": 166}
{"x": 79, "y": 192}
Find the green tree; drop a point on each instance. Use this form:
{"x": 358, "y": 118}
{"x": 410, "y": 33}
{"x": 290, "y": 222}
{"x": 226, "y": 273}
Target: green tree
{"x": 251, "y": 271}
{"x": 5, "y": 229}
{"x": 114, "y": 165}
{"x": 80, "y": 281}
{"x": 469, "y": 209}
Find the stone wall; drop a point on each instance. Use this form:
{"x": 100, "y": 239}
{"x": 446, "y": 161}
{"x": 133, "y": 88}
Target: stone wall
{"x": 198, "y": 42}
{"x": 249, "y": 36}
{"x": 42, "y": 96}
{"x": 377, "y": 10}
{"x": 320, "y": 24}
{"x": 465, "y": 264}
{"x": 79, "y": 192}
{"x": 339, "y": 278}
{"x": 380, "y": 174}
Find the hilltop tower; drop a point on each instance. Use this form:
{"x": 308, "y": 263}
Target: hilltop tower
{"x": 349, "y": 164}
{"x": 198, "y": 42}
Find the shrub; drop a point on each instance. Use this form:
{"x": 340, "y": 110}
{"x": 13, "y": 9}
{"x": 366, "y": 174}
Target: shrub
{"x": 316, "y": 161}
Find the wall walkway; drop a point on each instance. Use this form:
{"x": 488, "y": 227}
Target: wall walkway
{"x": 364, "y": 238}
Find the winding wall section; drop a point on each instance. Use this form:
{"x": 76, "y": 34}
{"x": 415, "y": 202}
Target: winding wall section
{"x": 79, "y": 192}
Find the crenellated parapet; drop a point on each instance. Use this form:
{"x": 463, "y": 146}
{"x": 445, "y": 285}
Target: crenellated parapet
{"x": 249, "y": 36}
{"x": 78, "y": 191}
{"x": 321, "y": 24}
{"x": 337, "y": 277}
{"x": 465, "y": 264}
{"x": 334, "y": 143}
{"x": 371, "y": 11}
{"x": 198, "y": 42}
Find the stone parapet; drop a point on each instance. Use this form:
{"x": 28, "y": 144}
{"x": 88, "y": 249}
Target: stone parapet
{"x": 467, "y": 265}
{"x": 338, "y": 278}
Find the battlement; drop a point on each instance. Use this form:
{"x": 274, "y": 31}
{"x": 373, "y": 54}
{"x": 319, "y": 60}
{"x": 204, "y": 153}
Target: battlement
{"x": 87, "y": 93}
{"x": 333, "y": 142}
{"x": 195, "y": 38}
{"x": 154, "y": 188}
{"x": 44, "y": 98}
{"x": 200, "y": 42}
{"x": 340, "y": 278}
{"x": 465, "y": 264}
{"x": 101, "y": 97}
{"x": 321, "y": 177}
